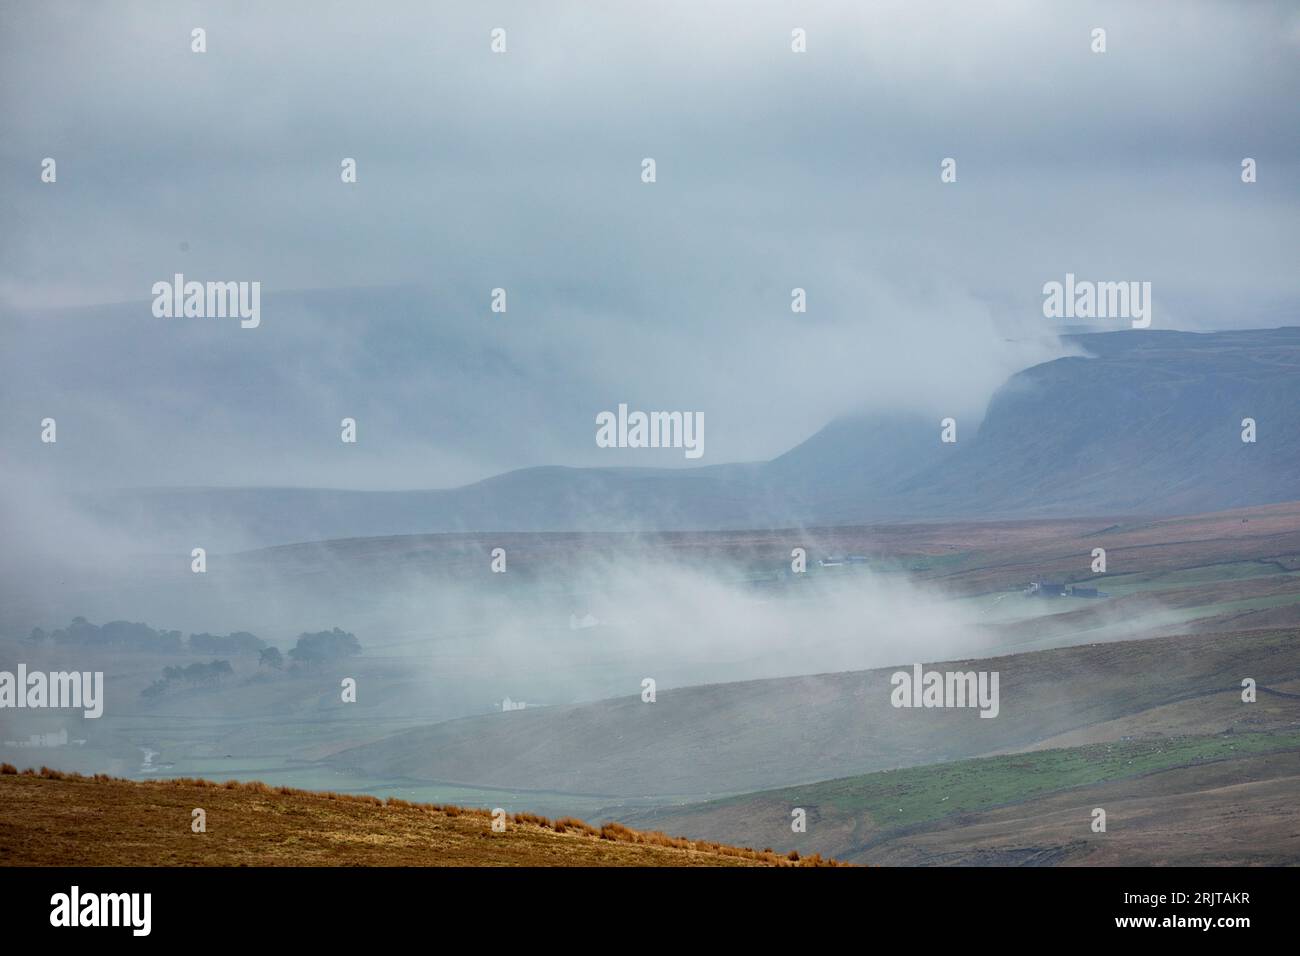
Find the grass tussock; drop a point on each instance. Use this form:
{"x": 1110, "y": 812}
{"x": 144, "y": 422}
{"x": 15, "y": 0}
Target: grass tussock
{"x": 533, "y": 819}
{"x": 565, "y": 824}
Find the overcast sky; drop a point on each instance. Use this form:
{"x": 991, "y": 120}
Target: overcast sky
{"x": 522, "y": 170}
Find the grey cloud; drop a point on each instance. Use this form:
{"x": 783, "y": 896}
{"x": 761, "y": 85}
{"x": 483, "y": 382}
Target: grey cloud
{"x": 521, "y": 171}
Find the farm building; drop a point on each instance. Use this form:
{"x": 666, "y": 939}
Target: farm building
{"x": 1050, "y": 589}
{"x": 1045, "y": 589}
{"x": 1087, "y": 593}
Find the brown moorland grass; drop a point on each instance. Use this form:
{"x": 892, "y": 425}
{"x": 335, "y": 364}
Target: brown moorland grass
{"x": 51, "y": 818}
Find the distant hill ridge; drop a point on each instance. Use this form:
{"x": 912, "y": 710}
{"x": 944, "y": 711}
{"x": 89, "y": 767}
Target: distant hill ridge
{"x": 1147, "y": 422}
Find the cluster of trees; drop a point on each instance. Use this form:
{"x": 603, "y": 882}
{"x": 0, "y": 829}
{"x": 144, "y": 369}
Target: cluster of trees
{"x": 116, "y": 634}
{"x": 141, "y": 637}
{"x": 195, "y": 675}
{"x": 324, "y": 646}
{"x": 310, "y": 650}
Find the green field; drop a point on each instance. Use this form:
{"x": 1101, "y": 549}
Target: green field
{"x": 899, "y": 798}
{"x": 1119, "y": 585}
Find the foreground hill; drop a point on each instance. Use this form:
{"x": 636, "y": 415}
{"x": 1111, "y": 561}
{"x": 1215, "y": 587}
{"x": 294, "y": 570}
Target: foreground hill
{"x": 1227, "y": 799}
{"x": 57, "y": 820}
{"x": 726, "y": 738}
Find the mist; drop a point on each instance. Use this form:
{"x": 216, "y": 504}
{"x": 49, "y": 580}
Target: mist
{"x": 521, "y": 172}
{"x": 377, "y": 544}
